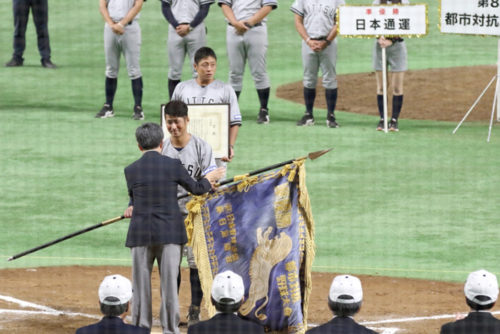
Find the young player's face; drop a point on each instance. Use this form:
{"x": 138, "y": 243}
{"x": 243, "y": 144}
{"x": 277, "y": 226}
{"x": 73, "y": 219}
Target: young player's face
{"x": 206, "y": 69}
{"x": 176, "y": 126}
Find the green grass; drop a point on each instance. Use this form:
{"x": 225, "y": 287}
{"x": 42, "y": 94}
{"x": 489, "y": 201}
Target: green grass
{"x": 420, "y": 203}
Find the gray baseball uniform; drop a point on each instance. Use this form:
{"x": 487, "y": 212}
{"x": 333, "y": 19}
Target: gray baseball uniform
{"x": 129, "y": 43}
{"x": 190, "y": 92}
{"x": 198, "y": 160}
{"x": 252, "y": 45}
{"x": 184, "y": 12}
{"x": 319, "y": 19}
{"x": 396, "y": 54}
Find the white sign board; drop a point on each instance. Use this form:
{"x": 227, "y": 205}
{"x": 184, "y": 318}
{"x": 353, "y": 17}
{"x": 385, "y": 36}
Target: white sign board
{"x": 475, "y": 17}
{"x": 210, "y": 122}
{"x": 378, "y": 20}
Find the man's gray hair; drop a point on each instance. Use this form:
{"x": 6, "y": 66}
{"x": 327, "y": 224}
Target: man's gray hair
{"x": 149, "y": 135}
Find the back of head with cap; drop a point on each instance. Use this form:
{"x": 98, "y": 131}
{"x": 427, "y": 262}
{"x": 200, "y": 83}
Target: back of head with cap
{"x": 346, "y": 295}
{"x": 115, "y": 292}
{"x": 227, "y": 291}
{"x": 481, "y": 290}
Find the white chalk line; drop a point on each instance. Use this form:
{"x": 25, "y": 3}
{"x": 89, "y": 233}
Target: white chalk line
{"x": 41, "y": 309}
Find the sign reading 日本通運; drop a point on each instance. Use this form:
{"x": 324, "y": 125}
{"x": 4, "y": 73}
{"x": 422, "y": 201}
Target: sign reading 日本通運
{"x": 475, "y": 17}
{"x": 378, "y": 20}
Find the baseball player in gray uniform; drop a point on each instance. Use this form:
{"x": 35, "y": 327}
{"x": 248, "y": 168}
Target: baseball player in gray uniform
{"x": 316, "y": 23}
{"x": 196, "y": 156}
{"x": 396, "y": 57}
{"x": 246, "y": 38}
{"x": 187, "y": 33}
{"x": 205, "y": 89}
{"x": 122, "y": 34}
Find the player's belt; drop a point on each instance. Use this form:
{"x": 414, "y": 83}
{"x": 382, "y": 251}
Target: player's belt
{"x": 127, "y": 23}
{"x": 319, "y": 38}
{"x": 248, "y": 26}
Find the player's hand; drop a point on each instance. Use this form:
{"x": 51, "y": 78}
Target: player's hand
{"x": 182, "y": 29}
{"x": 231, "y": 155}
{"x": 215, "y": 175}
{"x": 118, "y": 29}
{"x": 240, "y": 27}
{"x": 460, "y": 316}
{"x": 323, "y": 45}
{"x": 128, "y": 212}
{"x": 384, "y": 43}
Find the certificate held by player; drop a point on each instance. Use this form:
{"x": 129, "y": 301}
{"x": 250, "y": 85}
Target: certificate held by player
{"x": 210, "y": 122}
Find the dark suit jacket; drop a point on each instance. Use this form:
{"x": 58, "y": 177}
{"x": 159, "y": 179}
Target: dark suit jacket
{"x": 474, "y": 323}
{"x": 226, "y": 323}
{"x": 111, "y": 325}
{"x": 152, "y": 186}
{"x": 341, "y": 325}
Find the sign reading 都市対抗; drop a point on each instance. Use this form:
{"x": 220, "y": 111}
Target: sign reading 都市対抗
{"x": 378, "y": 20}
{"x": 474, "y": 17}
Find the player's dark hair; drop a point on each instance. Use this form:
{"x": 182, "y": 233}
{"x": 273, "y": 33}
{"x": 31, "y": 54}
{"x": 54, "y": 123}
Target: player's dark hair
{"x": 113, "y": 310}
{"x": 476, "y": 307}
{"x": 226, "y": 305}
{"x": 344, "y": 309}
{"x": 149, "y": 135}
{"x": 204, "y": 52}
{"x": 176, "y": 109}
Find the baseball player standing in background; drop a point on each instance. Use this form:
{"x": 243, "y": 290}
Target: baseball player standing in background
{"x": 40, "y": 10}
{"x": 396, "y": 56}
{"x": 206, "y": 90}
{"x": 196, "y": 156}
{"x": 246, "y": 38}
{"x": 122, "y": 34}
{"x": 316, "y": 23}
{"x": 187, "y": 33}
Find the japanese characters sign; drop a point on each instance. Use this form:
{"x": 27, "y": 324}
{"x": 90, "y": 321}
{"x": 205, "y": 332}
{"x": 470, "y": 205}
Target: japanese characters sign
{"x": 476, "y": 17}
{"x": 387, "y": 20}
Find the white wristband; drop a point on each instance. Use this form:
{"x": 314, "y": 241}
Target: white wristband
{"x": 121, "y": 25}
{"x": 308, "y": 39}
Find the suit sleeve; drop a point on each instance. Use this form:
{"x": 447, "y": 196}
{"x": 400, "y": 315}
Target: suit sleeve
{"x": 195, "y": 187}
{"x": 129, "y": 189}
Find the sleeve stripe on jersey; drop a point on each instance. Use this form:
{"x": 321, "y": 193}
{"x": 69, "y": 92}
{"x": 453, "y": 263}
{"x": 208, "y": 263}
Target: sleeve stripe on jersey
{"x": 222, "y": 2}
{"x": 296, "y": 11}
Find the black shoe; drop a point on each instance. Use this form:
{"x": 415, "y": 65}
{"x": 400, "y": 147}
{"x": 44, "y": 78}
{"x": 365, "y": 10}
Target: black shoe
{"x": 193, "y": 315}
{"x": 48, "y": 64}
{"x": 393, "y": 125}
{"x": 138, "y": 113}
{"x": 105, "y": 112}
{"x": 263, "y": 117}
{"x": 306, "y": 120}
{"x": 380, "y": 126}
{"x": 330, "y": 122}
{"x": 14, "y": 62}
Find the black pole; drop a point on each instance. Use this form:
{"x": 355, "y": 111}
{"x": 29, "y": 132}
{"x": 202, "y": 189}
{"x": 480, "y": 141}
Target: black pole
{"x": 69, "y": 236}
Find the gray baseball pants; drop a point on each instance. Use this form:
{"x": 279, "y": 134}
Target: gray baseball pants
{"x": 252, "y": 45}
{"x": 326, "y": 60}
{"x": 177, "y": 47}
{"x": 169, "y": 259}
{"x": 129, "y": 44}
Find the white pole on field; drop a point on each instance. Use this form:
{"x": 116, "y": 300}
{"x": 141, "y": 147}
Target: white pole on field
{"x": 495, "y": 101}
{"x": 384, "y": 83}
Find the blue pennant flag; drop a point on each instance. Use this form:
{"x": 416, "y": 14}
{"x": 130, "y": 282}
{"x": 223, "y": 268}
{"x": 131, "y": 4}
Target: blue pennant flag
{"x": 260, "y": 227}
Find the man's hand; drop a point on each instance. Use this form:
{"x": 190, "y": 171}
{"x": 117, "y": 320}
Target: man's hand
{"x": 128, "y": 212}
{"x": 231, "y": 155}
{"x": 215, "y": 175}
{"x": 182, "y": 29}
{"x": 240, "y": 27}
{"x": 384, "y": 43}
{"x": 118, "y": 28}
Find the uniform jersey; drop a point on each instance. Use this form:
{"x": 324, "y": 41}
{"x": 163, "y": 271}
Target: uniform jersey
{"x": 185, "y": 10}
{"x": 319, "y": 15}
{"x": 196, "y": 157}
{"x": 244, "y": 9}
{"x": 190, "y": 92}
{"x": 118, "y": 9}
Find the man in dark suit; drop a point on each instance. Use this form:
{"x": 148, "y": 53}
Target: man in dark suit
{"x": 115, "y": 293}
{"x": 227, "y": 295}
{"x": 344, "y": 299}
{"x": 481, "y": 293}
{"x": 157, "y": 229}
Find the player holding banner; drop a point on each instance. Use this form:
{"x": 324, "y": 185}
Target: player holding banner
{"x": 397, "y": 60}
